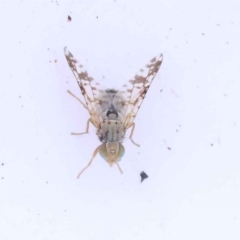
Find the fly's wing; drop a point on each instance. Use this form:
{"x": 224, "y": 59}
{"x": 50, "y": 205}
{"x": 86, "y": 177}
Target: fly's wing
{"x": 89, "y": 87}
{"x": 135, "y": 90}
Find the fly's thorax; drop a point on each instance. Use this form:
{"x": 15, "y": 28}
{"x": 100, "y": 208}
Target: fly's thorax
{"x": 112, "y": 152}
{"x": 111, "y": 131}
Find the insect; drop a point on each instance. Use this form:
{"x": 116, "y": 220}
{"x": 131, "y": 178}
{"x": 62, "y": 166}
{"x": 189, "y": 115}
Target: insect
{"x": 112, "y": 112}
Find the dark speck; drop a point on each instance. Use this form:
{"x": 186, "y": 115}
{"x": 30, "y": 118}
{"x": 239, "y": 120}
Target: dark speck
{"x": 169, "y": 148}
{"x": 143, "y": 176}
{"x": 2, "y": 164}
{"x": 69, "y": 18}
{"x": 211, "y": 144}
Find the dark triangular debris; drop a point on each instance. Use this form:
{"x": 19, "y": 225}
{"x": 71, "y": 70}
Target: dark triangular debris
{"x": 143, "y": 176}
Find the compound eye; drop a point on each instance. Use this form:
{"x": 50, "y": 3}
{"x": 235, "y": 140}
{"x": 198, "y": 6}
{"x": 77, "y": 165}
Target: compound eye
{"x": 120, "y": 152}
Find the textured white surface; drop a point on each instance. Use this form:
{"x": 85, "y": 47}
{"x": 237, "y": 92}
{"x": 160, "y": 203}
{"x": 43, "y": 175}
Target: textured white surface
{"x": 193, "y": 190}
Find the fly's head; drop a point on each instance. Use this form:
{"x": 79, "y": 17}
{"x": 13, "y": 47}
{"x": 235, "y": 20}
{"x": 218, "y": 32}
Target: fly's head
{"x": 112, "y": 152}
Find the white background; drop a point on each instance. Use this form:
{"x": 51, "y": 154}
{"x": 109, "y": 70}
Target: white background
{"x": 188, "y": 125}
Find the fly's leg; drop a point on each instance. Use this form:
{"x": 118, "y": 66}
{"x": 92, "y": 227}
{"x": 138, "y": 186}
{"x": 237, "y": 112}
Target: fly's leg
{"x": 87, "y": 128}
{"x": 93, "y": 156}
{"x": 77, "y": 99}
{"x": 89, "y": 120}
{"x": 133, "y": 127}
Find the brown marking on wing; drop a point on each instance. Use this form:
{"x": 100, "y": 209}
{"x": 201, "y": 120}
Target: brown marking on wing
{"x": 136, "y": 89}
{"x": 87, "y": 85}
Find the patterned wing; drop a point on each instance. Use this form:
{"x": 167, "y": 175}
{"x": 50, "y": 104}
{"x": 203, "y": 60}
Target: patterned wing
{"x": 135, "y": 90}
{"x": 89, "y": 87}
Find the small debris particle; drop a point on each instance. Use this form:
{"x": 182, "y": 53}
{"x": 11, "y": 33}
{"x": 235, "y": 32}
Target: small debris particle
{"x": 143, "y": 176}
{"x": 161, "y": 90}
{"x": 2, "y": 164}
{"x": 203, "y": 34}
{"x": 69, "y": 19}
{"x": 97, "y": 17}
{"x": 169, "y": 148}
{"x": 211, "y": 144}
{"x": 55, "y": 61}
{"x": 46, "y": 182}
